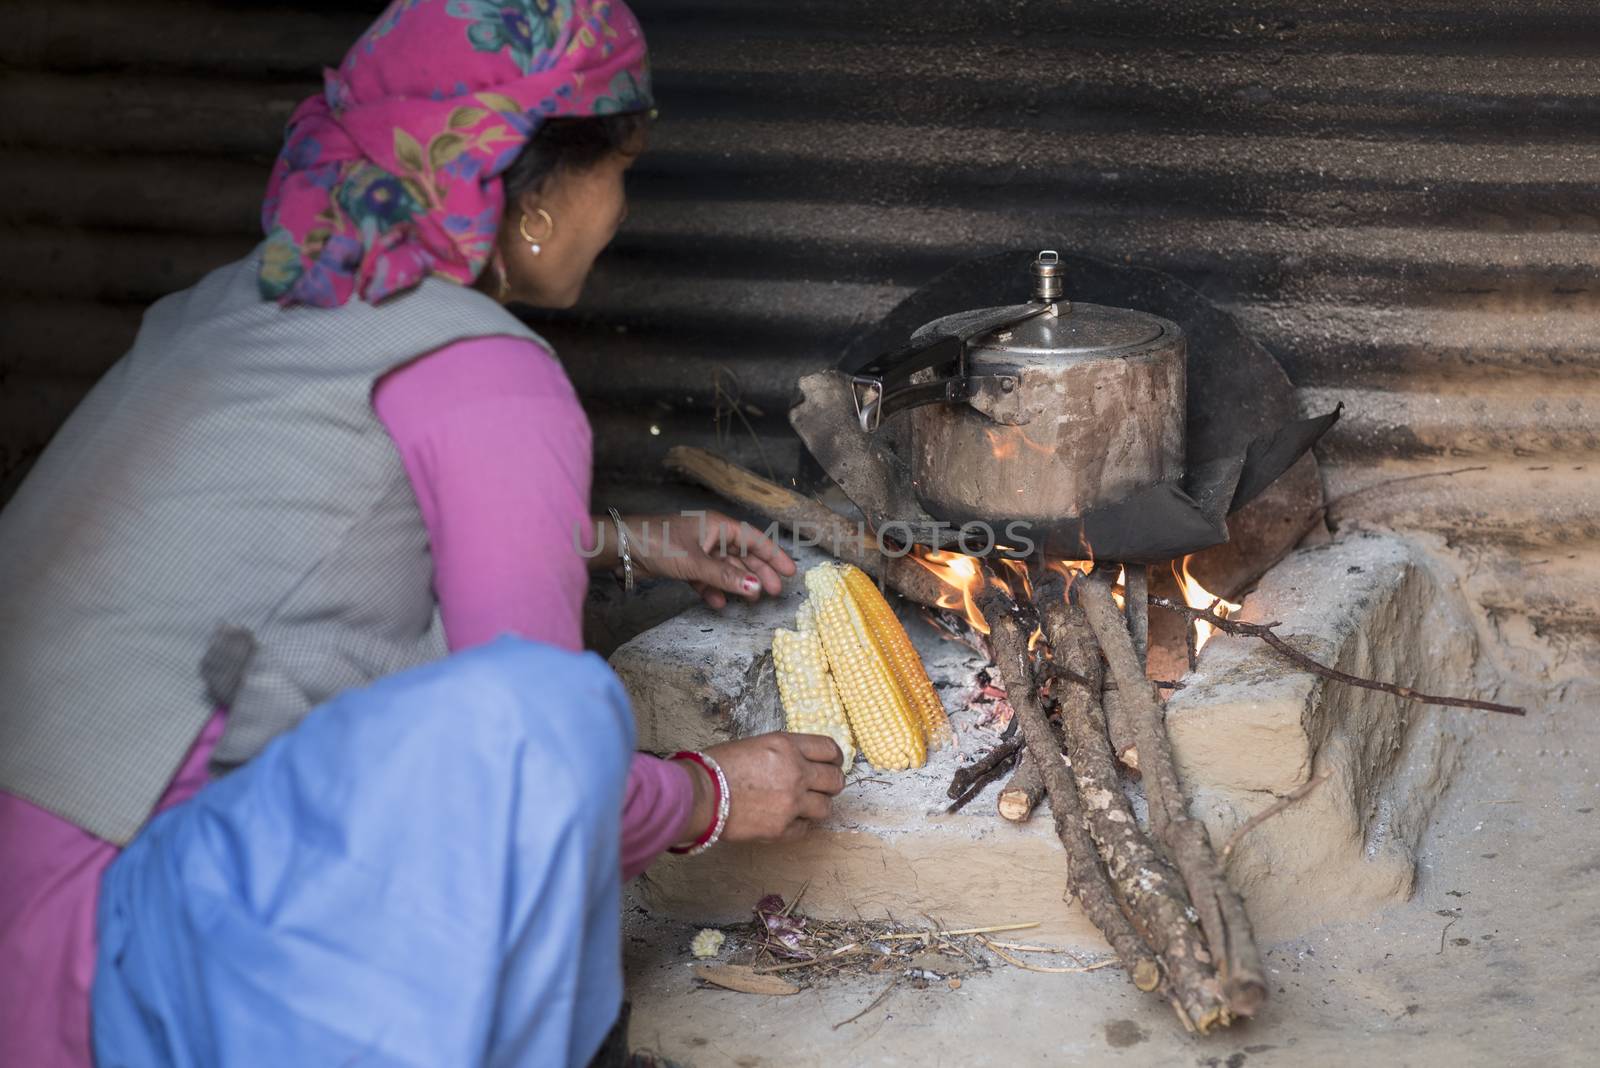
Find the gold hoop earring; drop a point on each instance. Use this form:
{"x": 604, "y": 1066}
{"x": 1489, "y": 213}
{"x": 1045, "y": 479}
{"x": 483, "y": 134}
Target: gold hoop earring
{"x": 535, "y": 244}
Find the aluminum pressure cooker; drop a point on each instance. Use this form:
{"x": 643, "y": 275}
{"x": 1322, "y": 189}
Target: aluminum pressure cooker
{"x": 1036, "y": 411}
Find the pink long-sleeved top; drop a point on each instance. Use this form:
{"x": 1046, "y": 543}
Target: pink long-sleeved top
{"x": 498, "y": 452}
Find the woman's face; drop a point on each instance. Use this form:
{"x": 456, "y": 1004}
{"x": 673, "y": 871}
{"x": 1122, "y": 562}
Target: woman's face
{"x": 586, "y": 207}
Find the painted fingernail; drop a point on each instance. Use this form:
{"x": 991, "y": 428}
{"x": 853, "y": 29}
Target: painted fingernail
{"x": 750, "y": 583}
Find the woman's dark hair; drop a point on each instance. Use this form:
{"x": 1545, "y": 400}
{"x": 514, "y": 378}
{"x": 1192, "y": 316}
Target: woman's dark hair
{"x": 572, "y": 144}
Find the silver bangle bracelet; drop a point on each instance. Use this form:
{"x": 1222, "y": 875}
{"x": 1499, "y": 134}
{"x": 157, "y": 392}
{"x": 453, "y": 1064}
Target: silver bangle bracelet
{"x": 722, "y": 807}
{"x": 623, "y": 551}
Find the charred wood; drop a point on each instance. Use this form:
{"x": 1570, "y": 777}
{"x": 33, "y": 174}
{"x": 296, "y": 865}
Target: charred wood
{"x": 969, "y": 781}
{"x": 1153, "y": 897}
{"x": 1222, "y": 915}
{"x": 1153, "y": 891}
{"x": 1023, "y": 792}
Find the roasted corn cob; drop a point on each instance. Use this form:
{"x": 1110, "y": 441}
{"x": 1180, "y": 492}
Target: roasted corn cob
{"x": 882, "y": 718}
{"x": 811, "y": 701}
{"x": 903, "y": 659}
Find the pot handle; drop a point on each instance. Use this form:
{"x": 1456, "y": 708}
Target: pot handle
{"x": 882, "y": 386}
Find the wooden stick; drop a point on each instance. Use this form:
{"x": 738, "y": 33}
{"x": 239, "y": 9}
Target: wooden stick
{"x": 1024, "y": 947}
{"x": 1265, "y": 632}
{"x": 1222, "y": 915}
{"x": 981, "y": 769}
{"x": 1086, "y": 878}
{"x": 971, "y": 780}
{"x": 999, "y": 951}
{"x": 978, "y": 786}
{"x": 841, "y": 953}
{"x": 1153, "y": 892}
{"x": 1023, "y": 793}
{"x": 1119, "y": 727}
{"x": 1136, "y": 606}
{"x": 809, "y": 519}
{"x": 993, "y": 929}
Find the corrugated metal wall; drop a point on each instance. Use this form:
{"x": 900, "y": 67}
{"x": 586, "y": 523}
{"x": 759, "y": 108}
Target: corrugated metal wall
{"x": 1398, "y": 199}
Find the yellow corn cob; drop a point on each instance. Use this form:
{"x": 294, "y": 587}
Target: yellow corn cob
{"x": 885, "y": 725}
{"x": 811, "y": 701}
{"x": 903, "y": 659}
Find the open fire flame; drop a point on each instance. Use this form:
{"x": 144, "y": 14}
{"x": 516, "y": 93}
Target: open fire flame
{"x": 962, "y": 575}
{"x": 1197, "y": 596}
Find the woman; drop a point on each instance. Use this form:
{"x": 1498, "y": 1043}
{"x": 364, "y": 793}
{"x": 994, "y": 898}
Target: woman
{"x": 331, "y": 462}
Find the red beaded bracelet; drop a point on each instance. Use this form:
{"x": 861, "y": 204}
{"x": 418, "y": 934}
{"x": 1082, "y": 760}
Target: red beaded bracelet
{"x": 719, "y": 804}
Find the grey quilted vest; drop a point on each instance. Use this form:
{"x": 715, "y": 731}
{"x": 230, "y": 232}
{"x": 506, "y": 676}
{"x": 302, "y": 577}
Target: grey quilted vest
{"x": 223, "y": 520}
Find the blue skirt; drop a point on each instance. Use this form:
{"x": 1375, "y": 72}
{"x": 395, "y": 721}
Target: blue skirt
{"x": 422, "y": 873}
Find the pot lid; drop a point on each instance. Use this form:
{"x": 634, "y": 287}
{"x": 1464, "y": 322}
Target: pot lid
{"x": 1077, "y": 330}
{"x": 1066, "y": 330}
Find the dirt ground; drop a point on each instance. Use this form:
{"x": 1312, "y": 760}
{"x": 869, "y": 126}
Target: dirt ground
{"x": 1494, "y": 961}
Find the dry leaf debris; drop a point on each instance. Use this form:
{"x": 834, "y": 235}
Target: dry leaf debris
{"x": 784, "y": 945}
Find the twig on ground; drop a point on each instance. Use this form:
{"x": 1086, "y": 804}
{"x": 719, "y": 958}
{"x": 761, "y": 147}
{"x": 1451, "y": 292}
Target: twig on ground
{"x": 1023, "y": 947}
{"x": 1109, "y": 962}
{"x": 827, "y": 958}
{"x": 1265, "y": 632}
{"x": 1270, "y": 811}
{"x": 974, "y": 790}
{"x": 875, "y": 1003}
{"x": 996, "y": 929}
{"x": 796, "y": 899}
{"x": 1444, "y": 932}
{"x": 961, "y": 949}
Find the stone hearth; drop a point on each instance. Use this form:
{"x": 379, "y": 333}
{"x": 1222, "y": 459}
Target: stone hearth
{"x": 1247, "y": 728}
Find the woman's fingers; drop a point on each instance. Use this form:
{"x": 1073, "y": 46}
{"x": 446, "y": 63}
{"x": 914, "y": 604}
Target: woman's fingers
{"x": 712, "y": 596}
{"x": 731, "y": 575}
{"x": 781, "y": 783}
{"x": 819, "y": 748}
{"x": 757, "y": 544}
{"x": 769, "y": 579}
{"x": 815, "y": 807}
{"x": 824, "y": 778}
{"x": 733, "y": 538}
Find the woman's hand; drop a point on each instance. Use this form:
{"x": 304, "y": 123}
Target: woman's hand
{"x": 714, "y": 554}
{"x": 778, "y": 785}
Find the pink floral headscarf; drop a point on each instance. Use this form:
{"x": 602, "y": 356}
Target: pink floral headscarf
{"x": 391, "y": 173}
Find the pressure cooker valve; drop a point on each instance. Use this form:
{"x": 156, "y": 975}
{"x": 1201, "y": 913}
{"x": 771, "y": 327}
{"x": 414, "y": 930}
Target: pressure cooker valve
{"x": 1047, "y": 278}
